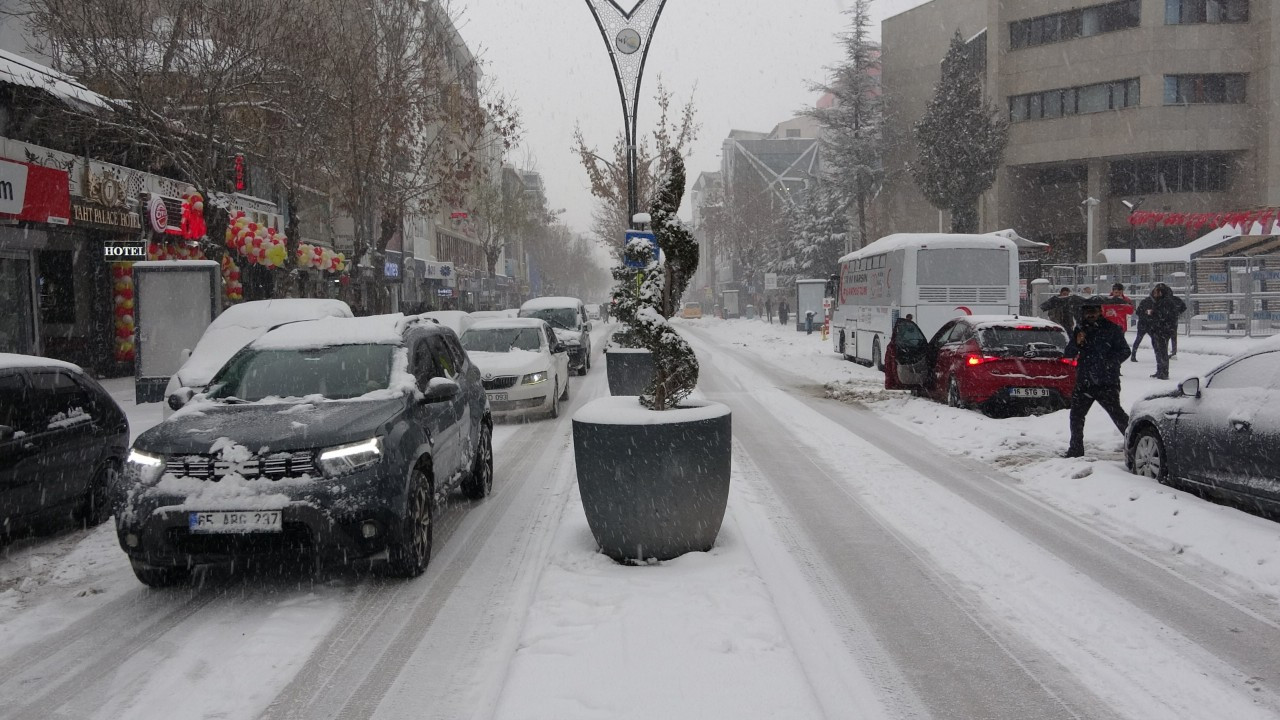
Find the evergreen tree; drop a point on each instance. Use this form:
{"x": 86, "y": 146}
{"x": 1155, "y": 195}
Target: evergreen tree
{"x": 960, "y": 140}
{"x": 851, "y": 143}
{"x": 815, "y": 237}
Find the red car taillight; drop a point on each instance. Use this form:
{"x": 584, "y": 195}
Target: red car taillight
{"x": 975, "y": 359}
{"x": 1068, "y": 361}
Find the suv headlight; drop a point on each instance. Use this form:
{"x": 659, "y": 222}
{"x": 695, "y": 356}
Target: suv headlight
{"x": 143, "y": 467}
{"x": 534, "y": 378}
{"x": 343, "y": 459}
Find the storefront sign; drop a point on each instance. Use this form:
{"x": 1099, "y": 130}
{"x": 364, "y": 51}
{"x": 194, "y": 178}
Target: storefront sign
{"x": 1241, "y": 219}
{"x": 439, "y": 270}
{"x": 13, "y": 187}
{"x": 111, "y": 218}
{"x": 157, "y": 214}
{"x": 124, "y": 251}
{"x": 445, "y": 292}
{"x": 34, "y": 192}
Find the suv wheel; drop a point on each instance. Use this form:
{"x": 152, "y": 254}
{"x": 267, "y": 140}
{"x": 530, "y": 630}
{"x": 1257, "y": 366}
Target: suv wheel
{"x": 160, "y": 576}
{"x": 479, "y": 482}
{"x": 409, "y": 553}
{"x": 1148, "y": 455}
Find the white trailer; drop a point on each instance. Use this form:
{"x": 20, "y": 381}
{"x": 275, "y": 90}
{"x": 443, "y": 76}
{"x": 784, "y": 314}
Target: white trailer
{"x": 931, "y": 277}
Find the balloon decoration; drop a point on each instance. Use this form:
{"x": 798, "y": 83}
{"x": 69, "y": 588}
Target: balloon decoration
{"x": 231, "y": 285}
{"x": 319, "y": 258}
{"x": 122, "y": 297}
{"x": 193, "y": 227}
{"x": 258, "y": 244}
{"x": 174, "y": 251}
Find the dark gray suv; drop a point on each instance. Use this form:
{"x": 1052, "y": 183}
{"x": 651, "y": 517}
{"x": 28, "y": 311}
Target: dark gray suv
{"x": 330, "y": 438}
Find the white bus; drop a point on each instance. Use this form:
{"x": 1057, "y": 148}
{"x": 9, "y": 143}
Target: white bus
{"x": 932, "y": 277}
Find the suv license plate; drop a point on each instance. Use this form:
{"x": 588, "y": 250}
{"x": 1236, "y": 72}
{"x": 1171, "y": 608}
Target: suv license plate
{"x": 237, "y": 521}
{"x": 1029, "y": 392}
{"x": 497, "y": 397}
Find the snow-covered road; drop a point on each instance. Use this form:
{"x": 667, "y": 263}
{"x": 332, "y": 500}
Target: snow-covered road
{"x": 863, "y": 571}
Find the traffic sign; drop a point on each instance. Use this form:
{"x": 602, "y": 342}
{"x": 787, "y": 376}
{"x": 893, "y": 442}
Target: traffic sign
{"x": 630, "y": 235}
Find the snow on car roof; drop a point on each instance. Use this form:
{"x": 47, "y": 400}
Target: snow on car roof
{"x": 542, "y": 303}
{"x": 899, "y": 241}
{"x": 499, "y": 323}
{"x": 982, "y": 321}
{"x": 14, "y": 360}
{"x": 330, "y": 331}
{"x": 265, "y": 313}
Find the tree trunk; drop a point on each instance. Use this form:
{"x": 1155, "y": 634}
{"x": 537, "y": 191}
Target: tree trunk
{"x": 964, "y": 217}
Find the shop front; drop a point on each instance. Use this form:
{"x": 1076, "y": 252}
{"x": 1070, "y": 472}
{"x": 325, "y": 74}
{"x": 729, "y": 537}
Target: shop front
{"x": 34, "y": 214}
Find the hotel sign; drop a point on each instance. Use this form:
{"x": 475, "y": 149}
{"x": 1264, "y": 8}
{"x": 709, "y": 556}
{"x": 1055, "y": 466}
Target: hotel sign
{"x": 102, "y": 216}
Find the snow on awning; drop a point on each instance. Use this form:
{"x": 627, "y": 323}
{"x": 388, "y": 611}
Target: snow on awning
{"x": 28, "y": 73}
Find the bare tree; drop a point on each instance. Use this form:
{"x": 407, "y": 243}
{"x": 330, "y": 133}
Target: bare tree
{"x": 501, "y": 210}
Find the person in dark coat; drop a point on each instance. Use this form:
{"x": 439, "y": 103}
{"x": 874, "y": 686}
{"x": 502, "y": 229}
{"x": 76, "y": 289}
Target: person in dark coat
{"x": 1061, "y": 309}
{"x": 782, "y": 312}
{"x": 1143, "y": 329}
{"x": 768, "y": 309}
{"x": 1161, "y": 310}
{"x": 1101, "y": 348}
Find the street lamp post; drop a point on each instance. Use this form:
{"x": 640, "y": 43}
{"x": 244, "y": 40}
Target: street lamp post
{"x": 626, "y": 36}
{"x": 1133, "y": 206}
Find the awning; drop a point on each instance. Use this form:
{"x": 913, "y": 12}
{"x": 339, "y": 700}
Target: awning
{"x": 28, "y": 73}
{"x": 34, "y": 192}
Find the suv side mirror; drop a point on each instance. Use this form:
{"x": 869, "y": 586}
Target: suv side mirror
{"x": 1190, "y": 387}
{"x": 440, "y": 389}
{"x": 180, "y": 397}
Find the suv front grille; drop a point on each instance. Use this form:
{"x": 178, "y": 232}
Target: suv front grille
{"x": 273, "y": 466}
{"x": 500, "y": 383}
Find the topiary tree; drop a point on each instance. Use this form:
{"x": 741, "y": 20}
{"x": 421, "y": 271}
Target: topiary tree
{"x": 649, "y": 289}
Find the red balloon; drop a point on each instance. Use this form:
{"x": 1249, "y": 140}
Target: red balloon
{"x": 127, "y": 294}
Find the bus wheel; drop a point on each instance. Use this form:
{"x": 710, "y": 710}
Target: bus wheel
{"x": 876, "y": 360}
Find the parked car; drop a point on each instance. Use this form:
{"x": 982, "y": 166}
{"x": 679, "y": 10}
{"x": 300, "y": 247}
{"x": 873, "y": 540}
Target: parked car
{"x": 691, "y": 311}
{"x": 593, "y": 311}
{"x": 999, "y": 363}
{"x": 331, "y": 436}
{"x": 62, "y": 441}
{"x": 456, "y": 320}
{"x": 524, "y": 366}
{"x": 567, "y": 316}
{"x": 479, "y": 315}
{"x": 1219, "y": 435}
{"x": 236, "y": 327}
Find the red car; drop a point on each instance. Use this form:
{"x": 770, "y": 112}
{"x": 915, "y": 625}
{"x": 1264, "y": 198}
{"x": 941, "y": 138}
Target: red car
{"x": 996, "y": 362}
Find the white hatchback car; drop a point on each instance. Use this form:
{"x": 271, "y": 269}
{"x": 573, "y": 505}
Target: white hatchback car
{"x": 524, "y": 367}
{"x": 235, "y": 328}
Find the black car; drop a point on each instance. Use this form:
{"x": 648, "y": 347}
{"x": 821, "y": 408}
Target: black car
{"x": 327, "y": 438}
{"x": 62, "y": 440}
{"x": 1220, "y": 436}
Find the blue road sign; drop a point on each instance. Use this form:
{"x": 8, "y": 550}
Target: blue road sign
{"x": 630, "y": 235}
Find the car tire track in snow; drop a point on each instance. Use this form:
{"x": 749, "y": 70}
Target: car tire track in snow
{"x": 1215, "y": 636}
{"x": 351, "y": 671}
{"x": 68, "y": 663}
{"x": 955, "y": 665}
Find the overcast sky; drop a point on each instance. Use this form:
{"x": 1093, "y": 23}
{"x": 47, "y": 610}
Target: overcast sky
{"x": 747, "y": 63}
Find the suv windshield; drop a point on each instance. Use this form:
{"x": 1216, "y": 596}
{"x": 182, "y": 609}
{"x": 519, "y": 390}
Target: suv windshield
{"x": 337, "y": 373}
{"x": 501, "y": 339}
{"x": 563, "y": 318}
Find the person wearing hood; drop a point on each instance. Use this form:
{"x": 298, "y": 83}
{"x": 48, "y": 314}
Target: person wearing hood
{"x": 1161, "y": 310}
{"x": 1061, "y": 309}
{"x": 1100, "y": 348}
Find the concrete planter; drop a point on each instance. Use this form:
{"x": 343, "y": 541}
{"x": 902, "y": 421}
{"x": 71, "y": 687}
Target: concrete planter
{"x": 629, "y": 371}
{"x": 654, "y": 485}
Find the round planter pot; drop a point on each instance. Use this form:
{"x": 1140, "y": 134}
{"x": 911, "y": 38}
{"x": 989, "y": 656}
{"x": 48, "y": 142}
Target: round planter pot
{"x": 654, "y": 485}
{"x": 629, "y": 371}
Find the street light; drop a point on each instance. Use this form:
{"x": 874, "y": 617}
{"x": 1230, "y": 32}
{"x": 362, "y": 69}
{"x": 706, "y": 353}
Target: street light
{"x": 626, "y": 36}
{"x": 1133, "y": 206}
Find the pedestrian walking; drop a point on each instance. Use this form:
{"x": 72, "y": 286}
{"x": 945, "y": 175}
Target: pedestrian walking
{"x": 768, "y": 309}
{"x": 1100, "y": 349}
{"x": 1061, "y": 309}
{"x": 782, "y": 312}
{"x": 1161, "y": 310}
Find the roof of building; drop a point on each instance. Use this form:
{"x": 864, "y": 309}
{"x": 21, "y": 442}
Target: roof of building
{"x": 1216, "y": 243}
{"x": 29, "y": 73}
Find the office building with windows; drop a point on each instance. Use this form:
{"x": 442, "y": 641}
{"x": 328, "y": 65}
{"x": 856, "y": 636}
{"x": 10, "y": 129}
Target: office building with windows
{"x": 1175, "y": 103}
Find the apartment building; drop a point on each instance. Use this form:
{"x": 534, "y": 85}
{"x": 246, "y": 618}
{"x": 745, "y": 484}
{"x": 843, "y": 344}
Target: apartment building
{"x": 1172, "y": 103}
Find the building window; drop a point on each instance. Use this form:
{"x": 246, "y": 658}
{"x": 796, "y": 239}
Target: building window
{"x": 1172, "y": 174}
{"x": 1062, "y": 102}
{"x": 1191, "y": 12}
{"x": 1204, "y": 89}
{"x": 1061, "y": 175}
{"x": 56, "y": 284}
{"x": 1083, "y": 22}
{"x": 793, "y": 133}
